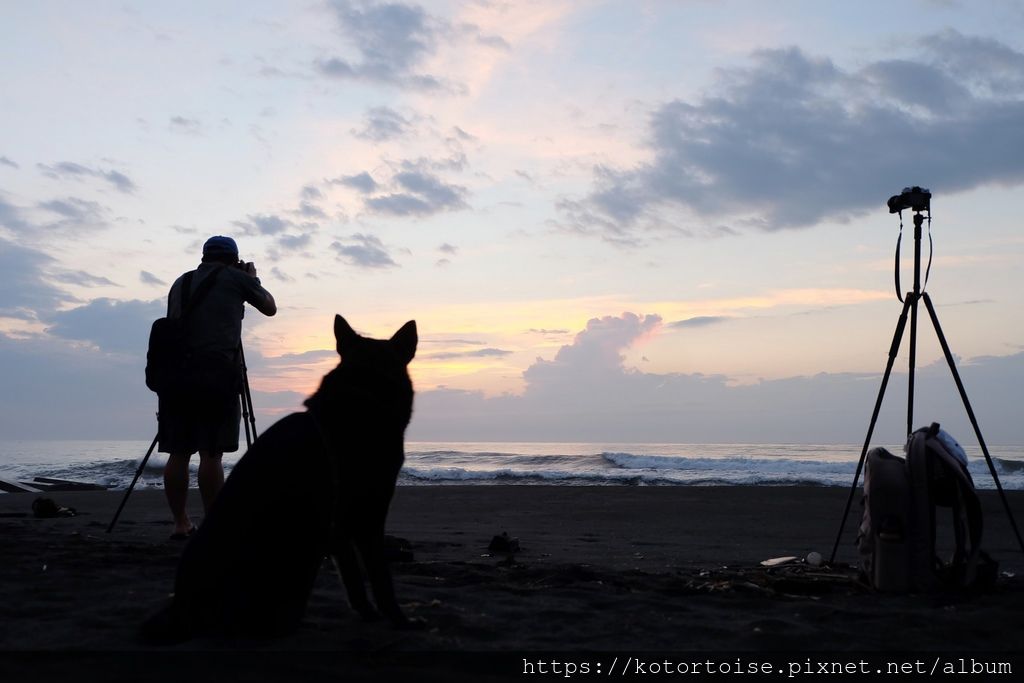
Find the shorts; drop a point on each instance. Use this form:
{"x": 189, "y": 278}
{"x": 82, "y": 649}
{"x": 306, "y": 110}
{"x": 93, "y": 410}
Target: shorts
{"x": 184, "y": 429}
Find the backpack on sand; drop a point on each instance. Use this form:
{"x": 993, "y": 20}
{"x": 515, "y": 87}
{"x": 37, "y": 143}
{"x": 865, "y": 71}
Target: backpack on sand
{"x": 168, "y": 354}
{"x": 897, "y": 539}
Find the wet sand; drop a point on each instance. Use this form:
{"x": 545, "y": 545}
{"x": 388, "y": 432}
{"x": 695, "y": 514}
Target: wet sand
{"x": 613, "y": 569}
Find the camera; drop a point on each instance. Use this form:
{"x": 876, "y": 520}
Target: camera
{"x": 247, "y": 267}
{"x": 914, "y": 198}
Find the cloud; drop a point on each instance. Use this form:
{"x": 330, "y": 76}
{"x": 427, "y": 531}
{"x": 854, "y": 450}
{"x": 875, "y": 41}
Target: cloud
{"x": 263, "y": 224}
{"x": 68, "y": 215}
{"x": 295, "y": 242}
{"x": 382, "y": 124}
{"x": 311, "y": 193}
{"x": 27, "y": 294}
{"x": 448, "y": 249}
{"x": 587, "y": 393}
{"x": 75, "y": 213}
{"x": 281, "y": 275}
{"x": 791, "y": 140}
{"x": 86, "y": 393}
{"x": 362, "y": 182}
{"x": 534, "y": 330}
{"x": 4, "y": 161}
{"x": 314, "y": 357}
{"x": 147, "y": 278}
{"x": 310, "y": 210}
{"x": 594, "y": 354}
{"x": 83, "y": 279}
{"x": 12, "y": 217}
{"x": 419, "y": 194}
{"x": 66, "y": 170}
{"x": 364, "y": 251}
{"x": 452, "y": 342}
{"x": 308, "y": 195}
{"x": 54, "y": 390}
{"x": 475, "y": 353}
{"x": 699, "y": 321}
{"x": 392, "y": 40}
{"x": 113, "y": 326}
{"x": 181, "y": 124}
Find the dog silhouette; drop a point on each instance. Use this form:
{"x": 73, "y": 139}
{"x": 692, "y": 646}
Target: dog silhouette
{"x": 317, "y": 483}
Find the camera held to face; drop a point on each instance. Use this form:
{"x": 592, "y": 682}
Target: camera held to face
{"x": 247, "y": 267}
{"x": 914, "y": 198}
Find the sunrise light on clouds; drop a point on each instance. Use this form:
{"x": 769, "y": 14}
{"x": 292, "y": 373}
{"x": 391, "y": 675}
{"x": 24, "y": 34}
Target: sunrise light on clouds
{"x": 689, "y": 190}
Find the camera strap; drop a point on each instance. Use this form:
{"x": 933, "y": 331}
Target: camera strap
{"x": 899, "y": 292}
{"x": 931, "y": 251}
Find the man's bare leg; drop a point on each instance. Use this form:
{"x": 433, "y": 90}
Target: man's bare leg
{"x": 176, "y": 490}
{"x": 211, "y": 477}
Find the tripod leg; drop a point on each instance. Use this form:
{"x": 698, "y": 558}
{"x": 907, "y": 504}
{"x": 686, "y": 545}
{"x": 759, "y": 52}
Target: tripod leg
{"x": 913, "y": 364}
{"x": 970, "y": 414}
{"x": 138, "y": 473}
{"x": 245, "y": 418}
{"x": 252, "y": 411}
{"x": 247, "y": 395}
{"x": 893, "y": 351}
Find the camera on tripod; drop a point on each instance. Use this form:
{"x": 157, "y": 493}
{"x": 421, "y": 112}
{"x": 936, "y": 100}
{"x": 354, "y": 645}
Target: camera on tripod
{"x": 914, "y": 198}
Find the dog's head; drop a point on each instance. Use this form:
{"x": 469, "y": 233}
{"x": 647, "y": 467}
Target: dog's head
{"x": 394, "y": 353}
{"x": 370, "y": 390}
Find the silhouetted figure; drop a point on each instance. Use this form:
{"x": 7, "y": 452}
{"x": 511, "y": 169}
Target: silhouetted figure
{"x": 314, "y": 484}
{"x": 205, "y": 419}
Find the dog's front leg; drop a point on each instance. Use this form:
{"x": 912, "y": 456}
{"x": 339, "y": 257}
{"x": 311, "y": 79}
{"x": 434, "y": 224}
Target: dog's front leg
{"x": 347, "y": 564}
{"x": 371, "y": 547}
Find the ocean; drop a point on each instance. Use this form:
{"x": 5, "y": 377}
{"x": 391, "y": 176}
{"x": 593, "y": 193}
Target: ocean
{"x": 114, "y": 463}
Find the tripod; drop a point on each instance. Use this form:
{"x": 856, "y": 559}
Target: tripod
{"x": 248, "y": 419}
{"x": 910, "y": 304}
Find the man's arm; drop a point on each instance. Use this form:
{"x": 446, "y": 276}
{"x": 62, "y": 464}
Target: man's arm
{"x": 261, "y": 299}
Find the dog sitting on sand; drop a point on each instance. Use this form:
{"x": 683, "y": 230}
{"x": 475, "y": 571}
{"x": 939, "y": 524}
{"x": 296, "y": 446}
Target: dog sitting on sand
{"x": 315, "y": 484}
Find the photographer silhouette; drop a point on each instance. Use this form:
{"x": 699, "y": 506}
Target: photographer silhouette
{"x": 203, "y": 415}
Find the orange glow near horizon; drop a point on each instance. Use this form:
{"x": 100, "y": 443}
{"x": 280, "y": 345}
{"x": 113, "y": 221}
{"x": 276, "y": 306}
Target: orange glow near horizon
{"x": 520, "y": 332}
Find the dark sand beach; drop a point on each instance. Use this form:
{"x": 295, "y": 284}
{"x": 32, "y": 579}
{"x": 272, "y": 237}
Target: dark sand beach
{"x": 601, "y": 569}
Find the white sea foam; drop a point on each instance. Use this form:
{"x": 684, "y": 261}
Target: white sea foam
{"x": 114, "y": 463}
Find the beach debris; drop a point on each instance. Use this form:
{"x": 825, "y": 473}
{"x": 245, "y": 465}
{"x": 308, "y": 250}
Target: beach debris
{"x": 46, "y": 508}
{"x": 813, "y": 559}
{"x": 503, "y": 543}
{"x": 779, "y": 561}
{"x": 792, "y": 579}
{"x": 51, "y": 484}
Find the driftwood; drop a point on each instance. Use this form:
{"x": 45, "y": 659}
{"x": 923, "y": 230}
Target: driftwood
{"x": 45, "y": 484}
{"x": 11, "y": 486}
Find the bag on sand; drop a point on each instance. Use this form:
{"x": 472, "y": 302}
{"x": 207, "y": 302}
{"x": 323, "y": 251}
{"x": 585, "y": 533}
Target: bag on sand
{"x": 898, "y": 529}
{"x": 167, "y": 357}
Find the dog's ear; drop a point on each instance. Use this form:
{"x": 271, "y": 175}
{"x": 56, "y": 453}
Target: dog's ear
{"x": 405, "y": 341}
{"x": 343, "y": 334}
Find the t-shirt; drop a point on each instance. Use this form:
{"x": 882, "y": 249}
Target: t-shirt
{"x": 215, "y": 325}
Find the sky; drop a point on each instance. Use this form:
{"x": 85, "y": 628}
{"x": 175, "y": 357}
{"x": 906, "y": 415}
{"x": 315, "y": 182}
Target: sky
{"x": 612, "y": 221}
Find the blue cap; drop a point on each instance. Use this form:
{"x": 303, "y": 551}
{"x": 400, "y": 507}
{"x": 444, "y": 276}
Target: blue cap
{"x": 218, "y": 245}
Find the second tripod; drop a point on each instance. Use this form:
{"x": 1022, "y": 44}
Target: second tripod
{"x": 918, "y": 202}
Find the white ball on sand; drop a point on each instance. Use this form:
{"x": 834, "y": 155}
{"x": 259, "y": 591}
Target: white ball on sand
{"x": 813, "y": 559}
